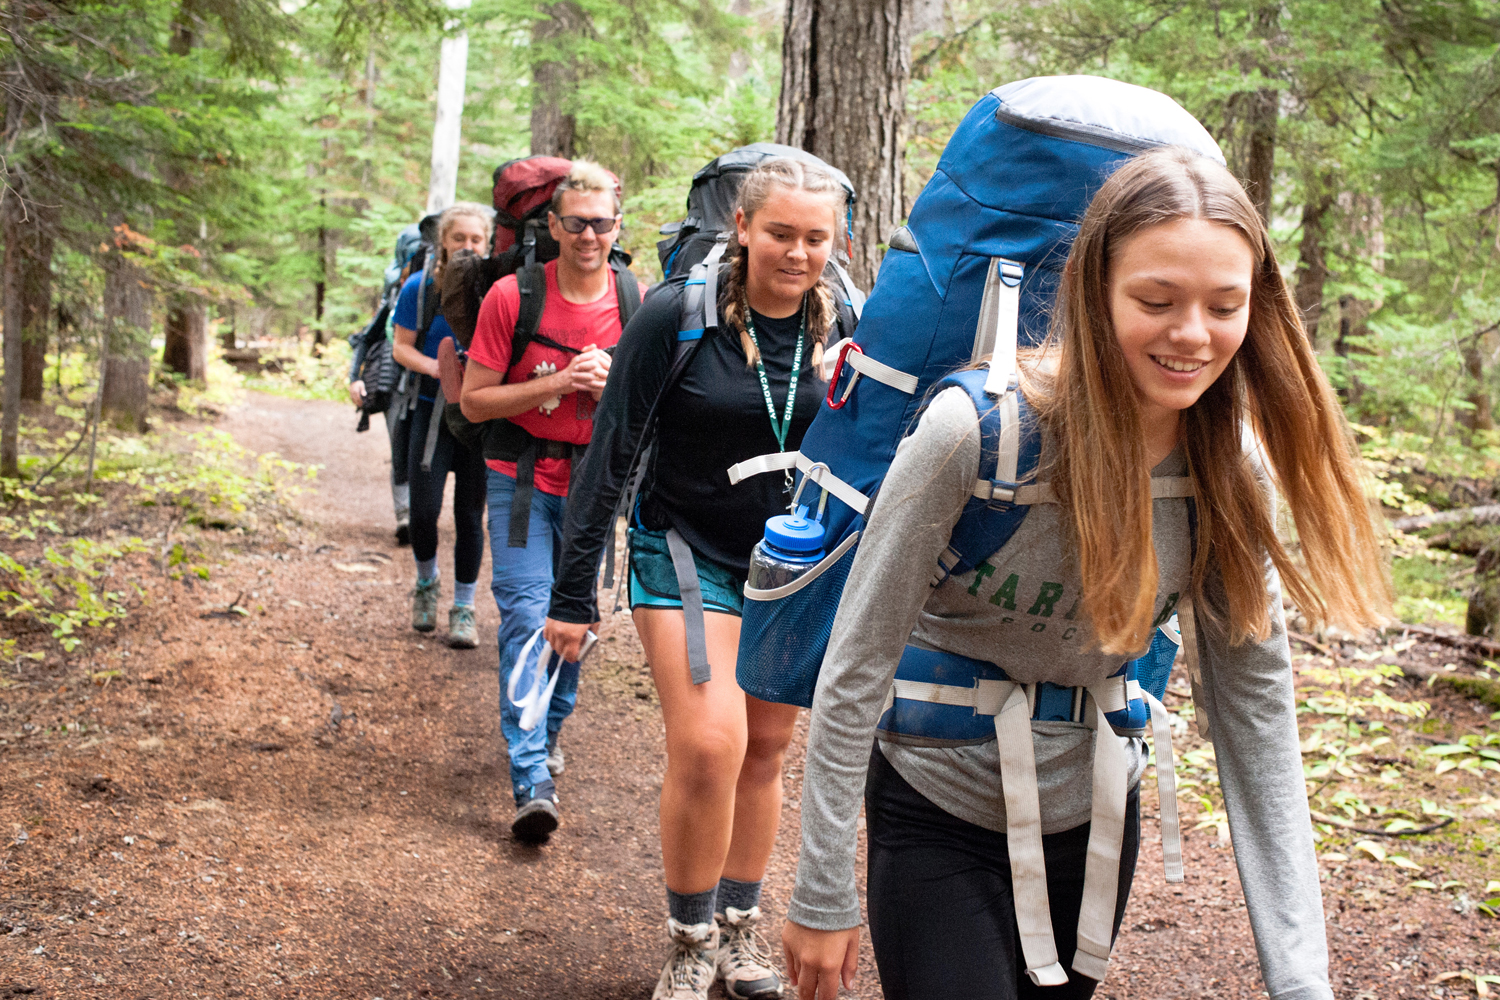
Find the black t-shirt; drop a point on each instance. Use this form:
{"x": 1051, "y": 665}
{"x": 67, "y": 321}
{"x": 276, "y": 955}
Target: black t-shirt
{"x": 712, "y": 418}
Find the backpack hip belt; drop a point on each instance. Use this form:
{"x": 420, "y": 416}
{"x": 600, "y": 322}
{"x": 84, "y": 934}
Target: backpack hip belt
{"x": 510, "y": 442}
{"x": 1007, "y": 708}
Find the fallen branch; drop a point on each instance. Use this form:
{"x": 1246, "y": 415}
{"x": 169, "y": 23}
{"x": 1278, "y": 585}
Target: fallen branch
{"x": 1311, "y": 643}
{"x": 1487, "y": 646}
{"x": 66, "y": 455}
{"x": 1344, "y": 824}
{"x": 1487, "y": 514}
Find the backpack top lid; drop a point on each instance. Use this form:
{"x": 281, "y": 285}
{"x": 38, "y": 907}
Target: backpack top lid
{"x": 406, "y": 247}
{"x": 523, "y": 190}
{"x": 716, "y": 187}
{"x": 1107, "y": 112}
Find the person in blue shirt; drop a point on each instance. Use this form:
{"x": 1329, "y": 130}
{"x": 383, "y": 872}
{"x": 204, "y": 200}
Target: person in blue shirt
{"x": 432, "y": 451}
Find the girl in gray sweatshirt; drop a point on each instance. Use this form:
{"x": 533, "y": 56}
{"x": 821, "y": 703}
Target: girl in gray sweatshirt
{"x": 1000, "y": 865}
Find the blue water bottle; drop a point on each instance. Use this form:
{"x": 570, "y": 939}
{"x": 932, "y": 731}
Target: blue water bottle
{"x": 793, "y": 544}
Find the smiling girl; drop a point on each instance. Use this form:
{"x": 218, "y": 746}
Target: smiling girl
{"x": 752, "y": 387}
{"x": 1175, "y": 351}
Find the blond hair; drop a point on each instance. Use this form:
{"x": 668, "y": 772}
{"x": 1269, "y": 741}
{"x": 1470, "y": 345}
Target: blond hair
{"x": 1273, "y": 386}
{"x": 451, "y": 214}
{"x": 820, "y": 305}
{"x": 588, "y": 177}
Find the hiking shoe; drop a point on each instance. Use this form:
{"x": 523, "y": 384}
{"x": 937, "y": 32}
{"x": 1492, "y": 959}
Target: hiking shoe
{"x": 555, "y": 761}
{"x": 536, "y": 814}
{"x": 743, "y": 961}
{"x": 463, "y": 631}
{"x": 424, "y": 602}
{"x": 689, "y": 971}
{"x": 403, "y": 533}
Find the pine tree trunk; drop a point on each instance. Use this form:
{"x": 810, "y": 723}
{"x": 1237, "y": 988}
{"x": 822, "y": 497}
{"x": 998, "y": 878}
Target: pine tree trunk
{"x": 36, "y": 298}
{"x": 11, "y": 220}
{"x": 186, "y": 349}
{"x": 845, "y": 66}
{"x": 554, "y": 77}
{"x": 1312, "y": 264}
{"x": 1480, "y": 416}
{"x": 1257, "y": 112}
{"x": 127, "y": 364}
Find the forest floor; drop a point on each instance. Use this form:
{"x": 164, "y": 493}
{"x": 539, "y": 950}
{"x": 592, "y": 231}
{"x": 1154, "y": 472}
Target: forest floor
{"x": 268, "y": 785}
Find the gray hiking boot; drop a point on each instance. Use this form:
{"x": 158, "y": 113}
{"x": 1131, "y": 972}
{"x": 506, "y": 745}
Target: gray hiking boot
{"x": 536, "y": 814}
{"x": 689, "y": 971}
{"x": 463, "y": 630}
{"x": 424, "y": 602}
{"x": 555, "y": 759}
{"x": 743, "y": 960}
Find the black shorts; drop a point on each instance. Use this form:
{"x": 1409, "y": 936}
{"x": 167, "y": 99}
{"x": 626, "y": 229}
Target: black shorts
{"x": 942, "y": 919}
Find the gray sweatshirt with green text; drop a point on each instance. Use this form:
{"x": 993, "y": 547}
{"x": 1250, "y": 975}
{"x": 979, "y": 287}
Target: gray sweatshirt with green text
{"x": 1019, "y": 609}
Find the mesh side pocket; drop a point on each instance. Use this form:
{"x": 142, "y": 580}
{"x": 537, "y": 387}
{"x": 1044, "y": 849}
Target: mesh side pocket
{"x": 782, "y": 642}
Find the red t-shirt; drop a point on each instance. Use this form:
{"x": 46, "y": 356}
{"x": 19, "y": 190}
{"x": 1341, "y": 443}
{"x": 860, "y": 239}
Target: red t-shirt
{"x": 568, "y": 418}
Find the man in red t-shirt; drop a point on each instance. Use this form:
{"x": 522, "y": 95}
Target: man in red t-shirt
{"x": 549, "y": 394}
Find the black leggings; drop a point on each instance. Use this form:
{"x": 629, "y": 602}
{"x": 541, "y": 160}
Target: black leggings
{"x": 469, "y": 492}
{"x": 942, "y": 920}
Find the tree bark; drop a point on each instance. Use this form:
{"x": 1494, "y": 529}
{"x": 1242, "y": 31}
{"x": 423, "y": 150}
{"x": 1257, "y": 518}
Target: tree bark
{"x": 1312, "y": 264}
{"x": 1258, "y": 110}
{"x": 845, "y": 66}
{"x": 554, "y": 78}
{"x": 12, "y": 218}
{"x": 1480, "y": 416}
{"x": 127, "y": 324}
{"x": 186, "y": 349}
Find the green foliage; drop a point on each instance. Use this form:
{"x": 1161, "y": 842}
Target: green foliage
{"x": 62, "y": 588}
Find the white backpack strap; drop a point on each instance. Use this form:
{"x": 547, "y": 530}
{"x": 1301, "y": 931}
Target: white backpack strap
{"x": 1166, "y": 789}
{"x": 999, "y": 322}
{"x": 1023, "y": 833}
{"x": 1189, "y": 629}
{"x": 1101, "y": 872}
{"x": 711, "y": 283}
{"x": 816, "y": 471}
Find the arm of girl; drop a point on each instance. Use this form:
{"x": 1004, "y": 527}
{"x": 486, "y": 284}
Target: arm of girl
{"x": 1250, "y": 697}
{"x": 639, "y": 369}
{"x": 920, "y": 501}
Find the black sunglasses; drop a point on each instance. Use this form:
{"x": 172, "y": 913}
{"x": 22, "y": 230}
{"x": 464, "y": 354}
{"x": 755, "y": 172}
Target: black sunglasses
{"x": 576, "y": 224}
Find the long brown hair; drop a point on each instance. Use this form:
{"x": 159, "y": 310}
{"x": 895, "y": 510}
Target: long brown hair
{"x": 822, "y": 311}
{"x": 1272, "y": 392}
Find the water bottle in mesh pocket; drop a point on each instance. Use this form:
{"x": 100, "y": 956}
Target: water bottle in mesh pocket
{"x": 784, "y": 632}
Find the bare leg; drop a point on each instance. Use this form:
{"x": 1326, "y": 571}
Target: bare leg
{"x": 757, "y": 797}
{"x": 706, "y": 737}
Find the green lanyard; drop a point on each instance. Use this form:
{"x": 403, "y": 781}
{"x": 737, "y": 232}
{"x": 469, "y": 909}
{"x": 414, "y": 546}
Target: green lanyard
{"x": 779, "y": 429}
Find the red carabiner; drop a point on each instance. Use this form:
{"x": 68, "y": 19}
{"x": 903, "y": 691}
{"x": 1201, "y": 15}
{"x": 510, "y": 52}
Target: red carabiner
{"x": 838, "y": 369}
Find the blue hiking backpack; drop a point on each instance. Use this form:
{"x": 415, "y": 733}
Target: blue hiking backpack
{"x": 972, "y": 273}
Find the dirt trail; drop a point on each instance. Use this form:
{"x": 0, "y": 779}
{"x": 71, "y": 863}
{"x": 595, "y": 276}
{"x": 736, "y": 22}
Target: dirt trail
{"x": 312, "y": 800}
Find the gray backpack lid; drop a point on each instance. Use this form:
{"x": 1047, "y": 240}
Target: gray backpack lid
{"x": 1103, "y": 112}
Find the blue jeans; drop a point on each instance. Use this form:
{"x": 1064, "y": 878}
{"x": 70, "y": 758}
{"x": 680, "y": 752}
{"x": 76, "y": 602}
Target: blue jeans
{"x": 522, "y": 585}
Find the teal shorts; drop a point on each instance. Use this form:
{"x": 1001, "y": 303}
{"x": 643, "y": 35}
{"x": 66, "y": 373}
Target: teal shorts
{"x": 653, "y": 578}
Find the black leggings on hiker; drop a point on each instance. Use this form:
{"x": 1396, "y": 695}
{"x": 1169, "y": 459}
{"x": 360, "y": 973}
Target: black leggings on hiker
{"x": 942, "y": 919}
{"x": 469, "y": 486}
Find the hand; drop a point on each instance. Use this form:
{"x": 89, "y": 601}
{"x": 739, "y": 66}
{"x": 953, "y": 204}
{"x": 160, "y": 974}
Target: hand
{"x": 357, "y": 391}
{"x": 565, "y": 638}
{"x": 817, "y": 961}
{"x": 586, "y": 372}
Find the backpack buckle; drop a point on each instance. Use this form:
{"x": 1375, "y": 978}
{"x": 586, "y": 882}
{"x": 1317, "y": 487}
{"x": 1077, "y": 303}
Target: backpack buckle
{"x": 997, "y": 493}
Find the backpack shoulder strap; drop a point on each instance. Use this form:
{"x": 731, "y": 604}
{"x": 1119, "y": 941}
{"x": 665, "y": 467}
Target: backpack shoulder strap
{"x": 531, "y": 282}
{"x": 854, "y": 299}
{"x": 1010, "y": 451}
{"x": 627, "y": 291}
{"x": 427, "y": 305}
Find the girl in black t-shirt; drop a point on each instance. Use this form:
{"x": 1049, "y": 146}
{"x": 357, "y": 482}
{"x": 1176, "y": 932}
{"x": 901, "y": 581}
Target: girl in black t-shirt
{"x": 751, "y": 388}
